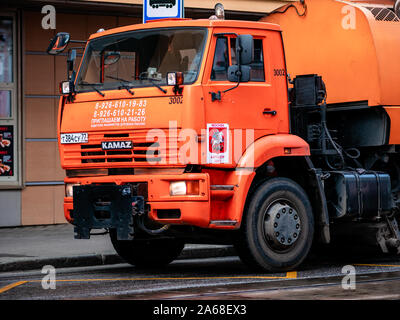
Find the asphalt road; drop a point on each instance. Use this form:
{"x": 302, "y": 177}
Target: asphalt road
{"x": 217, "y": 278}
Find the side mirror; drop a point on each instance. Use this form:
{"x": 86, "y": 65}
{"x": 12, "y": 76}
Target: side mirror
{"x": 244, "y": 49}
{"x": 58, "y": 43}
{"x": 236, "y": 75}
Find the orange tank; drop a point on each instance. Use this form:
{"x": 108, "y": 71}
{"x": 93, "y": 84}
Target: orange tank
{"x": 354, "y": 46}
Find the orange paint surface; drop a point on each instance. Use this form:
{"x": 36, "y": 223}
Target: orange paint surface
{"x": 356, "y": 55}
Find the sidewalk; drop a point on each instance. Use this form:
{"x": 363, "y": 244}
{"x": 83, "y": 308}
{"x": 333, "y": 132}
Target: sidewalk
{"x": 29, "y": 248}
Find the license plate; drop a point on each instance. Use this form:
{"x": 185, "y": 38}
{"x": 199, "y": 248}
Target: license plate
{"x": 74, "y": 138}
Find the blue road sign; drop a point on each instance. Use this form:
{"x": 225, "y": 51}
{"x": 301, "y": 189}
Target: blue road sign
{"x": 161, "y": 9}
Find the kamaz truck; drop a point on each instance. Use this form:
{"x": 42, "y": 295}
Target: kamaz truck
{"x": 271, "y": 136}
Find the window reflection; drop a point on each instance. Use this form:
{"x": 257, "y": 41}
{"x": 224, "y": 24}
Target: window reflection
{"x": 5, "y": 103}
{"x": 6, "y": 50}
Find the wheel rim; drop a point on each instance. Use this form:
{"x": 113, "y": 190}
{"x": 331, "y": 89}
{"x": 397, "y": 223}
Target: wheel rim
{"x": 281, "y": 225}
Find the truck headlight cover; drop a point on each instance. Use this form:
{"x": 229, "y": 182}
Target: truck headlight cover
{"x": 65, "y": 87}
{"x": 184, "y": 188}
{"x": 174, "y": 78}
{"x": 177, "y": 188}
{"x": 69, "y": 191}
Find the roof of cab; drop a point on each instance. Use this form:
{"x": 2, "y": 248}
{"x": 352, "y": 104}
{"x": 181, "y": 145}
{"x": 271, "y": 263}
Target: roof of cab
{"x": 168, "y": 23}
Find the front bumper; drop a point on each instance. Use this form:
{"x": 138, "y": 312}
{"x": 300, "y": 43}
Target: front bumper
{"x": 160, "y": 205}
{"x": 106, "y": 206}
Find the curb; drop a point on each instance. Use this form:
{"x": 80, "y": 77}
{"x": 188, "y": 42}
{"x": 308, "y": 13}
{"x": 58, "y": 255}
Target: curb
{"x": 106, "y": 259}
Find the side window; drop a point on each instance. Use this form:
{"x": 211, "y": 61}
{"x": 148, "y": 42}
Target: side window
{"x": 221, "y": 60}
{"x": 257, "y": 66}
{"x": 233, "y": 51}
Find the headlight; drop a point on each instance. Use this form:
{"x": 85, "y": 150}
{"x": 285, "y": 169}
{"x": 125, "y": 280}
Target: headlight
{"x": 177, "y": 188}
{"x": 174, "y": 78}
{"x": 69, "y": 191}
{"x": 183, "y": 188}
{"x": 65, "y": 87}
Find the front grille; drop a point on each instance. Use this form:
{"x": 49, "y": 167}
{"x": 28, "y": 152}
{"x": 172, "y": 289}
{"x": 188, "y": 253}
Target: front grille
{"x": 93, "y": 153}
{"x": 142, "y": 152}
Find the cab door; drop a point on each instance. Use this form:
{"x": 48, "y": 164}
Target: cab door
{"x": 260, "y": 104}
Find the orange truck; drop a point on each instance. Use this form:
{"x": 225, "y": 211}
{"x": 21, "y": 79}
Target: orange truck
{"x": 192, "y": 131}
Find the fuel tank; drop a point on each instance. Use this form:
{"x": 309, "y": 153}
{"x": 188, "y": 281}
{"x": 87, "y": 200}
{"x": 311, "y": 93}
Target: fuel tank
{"x": 358, "y": 195}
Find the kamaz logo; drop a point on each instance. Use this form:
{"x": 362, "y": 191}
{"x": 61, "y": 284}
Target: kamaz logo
{"x": 113, "y": 145}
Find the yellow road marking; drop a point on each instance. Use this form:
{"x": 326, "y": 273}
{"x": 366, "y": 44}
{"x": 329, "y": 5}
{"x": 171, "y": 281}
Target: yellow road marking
{"x": 12, "y": 285}
{"x": 289, "y": 275}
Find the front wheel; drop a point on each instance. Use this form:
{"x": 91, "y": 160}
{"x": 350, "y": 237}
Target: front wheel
{"x": 147, "y": 252}
{"x": 278, "y": 227}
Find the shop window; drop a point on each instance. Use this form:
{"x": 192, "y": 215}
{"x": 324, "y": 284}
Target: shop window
{"x": 5, "y": 103}
{"x": 9, "y": 142}
{"x": 6, "y": 50}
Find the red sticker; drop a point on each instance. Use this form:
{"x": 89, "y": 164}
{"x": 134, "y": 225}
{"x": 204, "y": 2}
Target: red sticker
{"x": 218, "y": 143}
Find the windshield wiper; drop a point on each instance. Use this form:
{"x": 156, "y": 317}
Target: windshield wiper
{"x": 127, "y": 88}
{"x": 92, "y": 85}
{"x": 122, "y": 85}
{"x": 153, "y": 83}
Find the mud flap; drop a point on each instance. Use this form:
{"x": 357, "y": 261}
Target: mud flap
{"x": 105, "y": 207}
{"x": 319, "y": 202}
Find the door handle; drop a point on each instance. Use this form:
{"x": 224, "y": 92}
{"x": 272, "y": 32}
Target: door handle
{"x": 269, "y": 111}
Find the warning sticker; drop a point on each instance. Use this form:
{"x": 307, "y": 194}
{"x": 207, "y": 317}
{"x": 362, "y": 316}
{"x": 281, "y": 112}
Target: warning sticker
{"x": 218, "y": 143}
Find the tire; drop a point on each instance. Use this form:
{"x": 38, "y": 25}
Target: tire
{"x": 148, "y": 252}
{"x": 277, "y": 228}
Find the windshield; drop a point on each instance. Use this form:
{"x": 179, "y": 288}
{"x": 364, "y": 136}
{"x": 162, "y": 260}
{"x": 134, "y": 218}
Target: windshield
{"x": 141, "y": 58}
